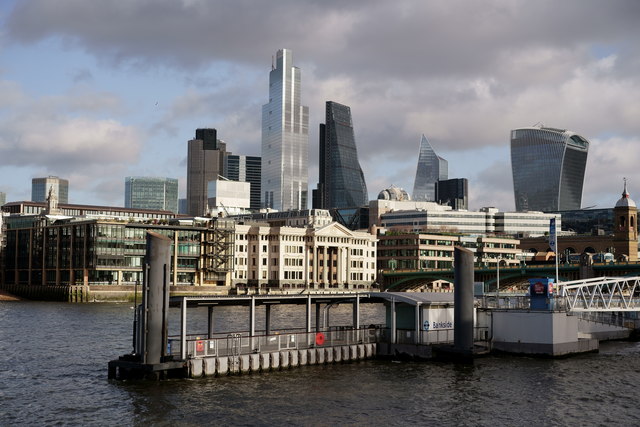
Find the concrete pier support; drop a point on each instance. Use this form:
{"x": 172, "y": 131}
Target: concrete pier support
{"x": 463, "y": 300}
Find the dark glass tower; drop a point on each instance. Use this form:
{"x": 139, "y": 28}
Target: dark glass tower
{"x": 453, "y": 192}
{"x": 548, "y": 168}
{"x": 245, "y": 169}
{"x": 342, "y": 183}
{"x": 431, "y": 169}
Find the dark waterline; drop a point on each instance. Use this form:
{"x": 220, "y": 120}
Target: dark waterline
{"x": 53, "y": 360}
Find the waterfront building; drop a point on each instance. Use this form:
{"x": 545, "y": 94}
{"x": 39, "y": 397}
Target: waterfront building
{"x": 431, "y": 169}
{"x": 326, "y": 257}
{"x": 151, "y": 193}
{"x": 415, "y": 251}
{"x": 453, "y": 192}
{"x": 486, "y": 221}
{"x": 25, "y": 211}
{"x": 341, "y": 184}
{"x": 215, "y": 252}
{"x": 548, "y": 167}
{"x": 285, "y": 139}
{"x": 246, "y": 169}
{"x": 40, "y": 188}
{"x": 229, "y": 197}
{"x": 293, "y": 218}
{"x": 622, "y": 242}
{"x": 205, "y": 162}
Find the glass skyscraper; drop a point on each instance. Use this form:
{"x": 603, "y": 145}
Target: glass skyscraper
{"x": 285, "y": 139}
{"x": 548, "y": 168}
{"x": 431, "y": 169}
{"x": 40, "y": 189}
{"x": 245, "y": 169}
{"x": 151, "y": 193}
{"x": 342, "y": 183}
{"x": 453, "y": 192}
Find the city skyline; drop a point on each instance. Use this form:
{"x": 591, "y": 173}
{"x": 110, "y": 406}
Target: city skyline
{"x": 125, "y": 97}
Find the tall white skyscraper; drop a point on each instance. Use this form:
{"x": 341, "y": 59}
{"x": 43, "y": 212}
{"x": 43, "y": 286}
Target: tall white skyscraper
{"x": 285, "y": 139}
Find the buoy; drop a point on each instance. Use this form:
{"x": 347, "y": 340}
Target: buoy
{"x": 319, "y": 338}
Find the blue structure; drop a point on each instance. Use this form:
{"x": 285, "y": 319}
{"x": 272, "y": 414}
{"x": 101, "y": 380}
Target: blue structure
{"x": 341, "y": 184}
{"x": 541, "y": 293}
{"x": 431, "y": 169}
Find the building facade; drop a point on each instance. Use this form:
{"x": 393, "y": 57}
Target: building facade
{"x": 205, "y": 162}
{"x": 3, "y": 198}
{"x": 40, "y": 188}
{"x": 453, "y": 192}
{"x": 431, "y": 169}
{"x": 548, "y": 167}
{"x": 420, "y": 251}
{"x": 229, "y": 197}
{"x": 246, "y": 169}
{"x": 285, "y": 139}
{"x": 341, "y": 184}
{"x": 151, "y": 193}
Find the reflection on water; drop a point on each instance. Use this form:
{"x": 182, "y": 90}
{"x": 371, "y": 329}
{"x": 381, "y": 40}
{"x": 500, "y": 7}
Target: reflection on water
{"x": 53, "y": 370}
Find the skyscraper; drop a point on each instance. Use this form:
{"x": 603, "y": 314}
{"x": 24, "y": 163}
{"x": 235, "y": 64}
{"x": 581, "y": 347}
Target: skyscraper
{"x": 431, "y": 169}
{"x": 285, "y": 139}
{"x": 341, "y": 183}
{"x": 3, "y": 198}
{"x": 205, "y": 161}
{"x": 40, "y": 188}
{"x": 548, "y": 168}
{"x": 245, "y": 169}
{"x": 151, "y": 193}
{"x": 453, "y": 192}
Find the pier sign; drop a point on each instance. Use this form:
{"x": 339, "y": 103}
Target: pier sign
{"x": 437, "y": 318}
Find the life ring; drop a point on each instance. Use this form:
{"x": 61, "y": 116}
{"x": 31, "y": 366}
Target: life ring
{"x": 319, "y": 338}
{"x": 199, "y": 346}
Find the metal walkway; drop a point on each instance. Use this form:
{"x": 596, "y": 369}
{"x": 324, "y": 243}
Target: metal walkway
{"x": 602, "y": 294}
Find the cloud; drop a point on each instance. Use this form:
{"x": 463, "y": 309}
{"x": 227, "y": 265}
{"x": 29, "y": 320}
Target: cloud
{"x": 64, "y": 133}
{"x": 463, "y": 73}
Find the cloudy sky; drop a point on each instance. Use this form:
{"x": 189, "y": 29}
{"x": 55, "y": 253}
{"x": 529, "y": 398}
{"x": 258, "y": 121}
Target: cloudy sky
{"x": 94, "y": 91}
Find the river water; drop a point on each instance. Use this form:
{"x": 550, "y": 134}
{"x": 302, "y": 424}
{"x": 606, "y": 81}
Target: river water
{"x": 53, "y": 371}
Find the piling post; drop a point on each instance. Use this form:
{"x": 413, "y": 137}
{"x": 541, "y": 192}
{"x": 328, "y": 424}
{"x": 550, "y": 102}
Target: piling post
{"x": 463, "y": 300}
{"x": 155, "y": 298}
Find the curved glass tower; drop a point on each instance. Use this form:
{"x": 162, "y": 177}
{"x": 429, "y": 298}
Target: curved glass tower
{"x": 285, "y": 139}
{"x": 548, "y": 168}
{"x": 431, "y": 169}
{"x": 342, "y": 182}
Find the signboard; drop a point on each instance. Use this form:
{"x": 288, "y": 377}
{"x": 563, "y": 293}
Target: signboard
{"x": 552, "y": 235}
{"x": 437, "y": 318}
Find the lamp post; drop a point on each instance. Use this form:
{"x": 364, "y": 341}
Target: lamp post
{"x": 498, "y": 279}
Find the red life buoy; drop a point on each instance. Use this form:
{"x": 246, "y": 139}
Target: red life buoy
{"x": 319, "y": 338}
{"x": 199, "y": 346}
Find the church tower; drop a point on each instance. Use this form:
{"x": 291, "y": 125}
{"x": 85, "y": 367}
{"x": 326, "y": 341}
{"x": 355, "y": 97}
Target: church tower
{"x": 625, "y": 236}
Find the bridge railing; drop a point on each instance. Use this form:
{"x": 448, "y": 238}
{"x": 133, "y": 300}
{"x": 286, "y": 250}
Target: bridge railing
{"x": 234, "y": 344}
{"x": 519, "y": 302}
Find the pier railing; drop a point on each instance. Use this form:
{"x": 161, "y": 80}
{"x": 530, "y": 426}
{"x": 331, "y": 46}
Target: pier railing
{"x": 235, "y": 344}
{"x": 434, "y": 336}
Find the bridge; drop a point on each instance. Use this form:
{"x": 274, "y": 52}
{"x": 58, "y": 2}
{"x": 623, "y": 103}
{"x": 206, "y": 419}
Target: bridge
{"x": 602, "y": 294}
{"x": 407, "y": 280}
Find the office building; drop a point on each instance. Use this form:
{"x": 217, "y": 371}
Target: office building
{"x": 205, "y": 162}
{"x": 3, "y": 198}
{"x": 431, "y": 169}
{"x": 285, "y": 139}
{"x": 453, "y": 192}
{"x": 548, "y": 168}
{"x": 151, "y": 193}
{"x": 341, "y": 183}
{"x": 246, "y": 169}
{"x": 40, "y": 188}
{"x": 229, "y": 197}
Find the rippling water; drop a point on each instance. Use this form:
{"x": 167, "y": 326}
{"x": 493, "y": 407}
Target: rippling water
{"x": 53, "y": 371}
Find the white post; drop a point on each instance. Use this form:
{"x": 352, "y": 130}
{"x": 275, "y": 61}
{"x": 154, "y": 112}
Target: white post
{"x": 183, "y": 329}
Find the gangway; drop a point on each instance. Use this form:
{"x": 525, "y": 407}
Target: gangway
{"x": 602, "y": 294}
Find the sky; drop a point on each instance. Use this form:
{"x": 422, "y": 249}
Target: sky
{"x": 97, "y": 90}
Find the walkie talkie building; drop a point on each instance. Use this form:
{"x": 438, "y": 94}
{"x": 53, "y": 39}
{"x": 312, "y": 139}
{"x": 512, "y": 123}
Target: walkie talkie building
{"x": 548, "y": 167}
